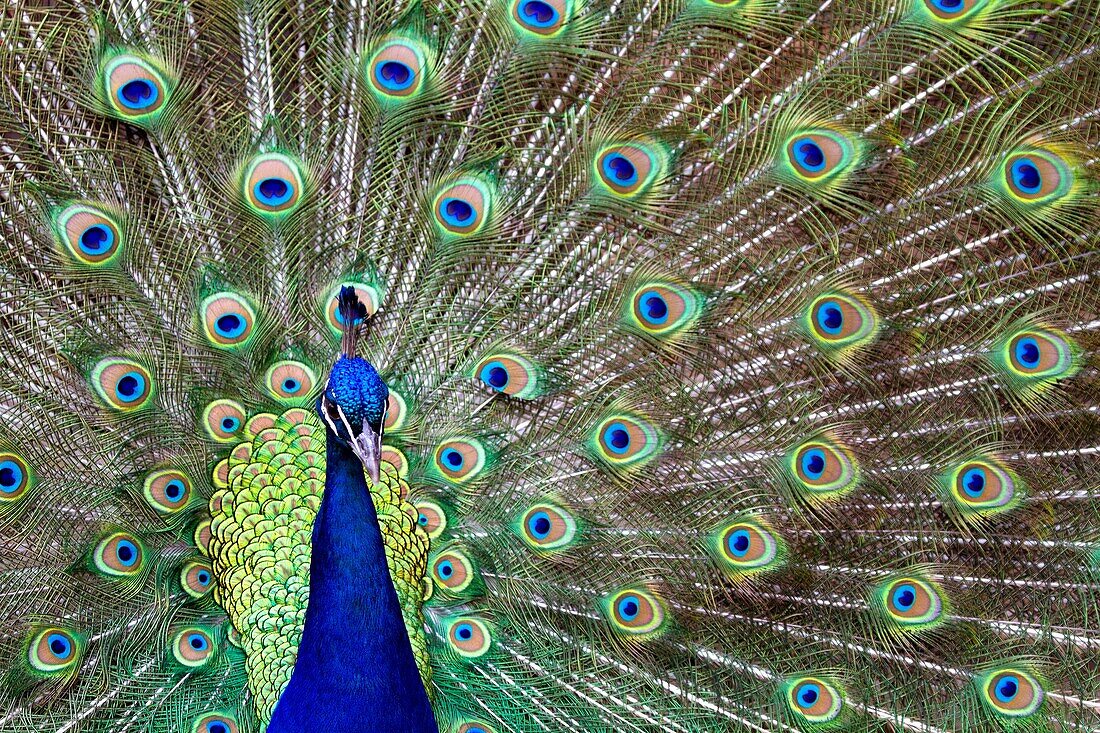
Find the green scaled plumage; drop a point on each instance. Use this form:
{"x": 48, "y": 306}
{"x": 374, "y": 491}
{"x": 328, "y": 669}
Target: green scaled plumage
{"x": 741, "y": 357}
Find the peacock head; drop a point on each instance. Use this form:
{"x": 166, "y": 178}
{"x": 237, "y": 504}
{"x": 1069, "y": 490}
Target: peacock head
{"x": 353, "y": 404}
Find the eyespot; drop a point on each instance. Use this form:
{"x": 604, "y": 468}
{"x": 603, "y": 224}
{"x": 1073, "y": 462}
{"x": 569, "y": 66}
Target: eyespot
{"x": 663, "y": 309}
{"x": 745, "y": 547}
{"x": 89, "y": 234}
{"x": 192, "y": 647}
{"x": 122, "y": 384}
{"x": 224, "y": 420}
{"x": 813, "y": 700}
{"x": 623, "y": 440}
{"x": 273, "y": 184}
{"x": 950, "y": 10}
{"x": 981, "y": 486}
{"x": 55, "y": 650}
{"x": 15, "y": 477}
{"x": 431, "y": 517}
{"x": 1037, "y": 176}
{"x": 453, "y": 571}
{"x": 823, "y": 468}
{"x": 228, "y": 320}
{"x": 215, "y": 723}
{"x": 1039, "y": 354}
{"x": 511, "y": 374}
{"x": 1011, "y": 692}
{"x": 119, "y": 554}
{"x": 631, "y": 169}
{"x": 369, "y": 295}
{"x": 469, "y": 637}
{"x": 397, "y": 411}
{"x": 818, "y": 155}
{"x": 135, "y": 89}
{"x": 167, "y": 490}
{"x": 541, "y": 18}
{"x": 463, "y": 207}
{"x": 838, "y": 320}
{"x": 460, "y": 459}
{"x": 397, "y": 70}
{"x": 197, "y": 578}
{"x": 546, "y": 528}
{"x": 911, "y": 603}
{"x": 290, "y": 380}
{"x": 474, "y": 727}
{"x": 634, "y": 612}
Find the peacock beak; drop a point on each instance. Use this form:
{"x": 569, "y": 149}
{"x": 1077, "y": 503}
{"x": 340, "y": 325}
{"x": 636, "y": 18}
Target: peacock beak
{"x": 366, "y": 444}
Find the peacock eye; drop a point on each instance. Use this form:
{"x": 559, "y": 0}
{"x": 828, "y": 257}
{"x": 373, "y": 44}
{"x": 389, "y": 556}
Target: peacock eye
{"x": 634, "y": 612}
{"x": 197, "y": 578}
{"x": 511, "y": 374}
{"x": 273, "y": 184}
{"x": 469, "y": 637}
{"x": 663, "y": 309}
{"x": 463, "y": 207}
{"x": 193, "y": 647}
{"x": 840, "y": 321}
{"x": 55, "y": 650}
{"x": 119, "y": 555}
{"x": 630, "y": 169}
{"x": 289, "y": 381}
{"x": 215, "y": 723}
{"x": 369, "y": 295}
{"x": 477, "y": 727}
{"x": 460, "y": 459}
{"x": 396, "y": 71}
{"x": 745, "y": 547}
{"x": 546, "y": 528}
{"x": 15, "y": 477}
{"x": 228, "y": 319}
{"x": 818, "y": 155}
{"x": 453, "y": 571}
{"x": 1010, "y": 692}
{"x": 625, "y": 440}
{"x": 1036, "y": 176}
{"x": 223, "y": 420}
{"x": 911, "y": 603}
{"x": 122, "y": 384}
{"x": 823, "y": 469}
{"x": 89, "y": 234}
{"x": 167, "y": 490}
{"x": 981, "y": 487}
{"x": 431, "y": 517}
{"x": 135, "y": 88}
{"x": 540, "y": 18}
{"x": 813, "y": 700}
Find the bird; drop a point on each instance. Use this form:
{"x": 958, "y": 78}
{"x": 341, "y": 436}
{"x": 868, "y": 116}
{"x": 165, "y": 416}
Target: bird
{"x": 492, "y": 366}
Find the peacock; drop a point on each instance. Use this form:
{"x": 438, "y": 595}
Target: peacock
{"x": 494, "y": 366}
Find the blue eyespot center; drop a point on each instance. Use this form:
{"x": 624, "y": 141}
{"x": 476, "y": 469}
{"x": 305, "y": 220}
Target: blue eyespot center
{"x": 620, "y": 170}
{"x": 464, "y": 632}
{"x": 11, "y": 476}
{"x": 739, "y": 543}
{"x": 291, "y": 385}
{"x": 452, "y": 458}
{"x": 1007, "y": 688}
{"x": 831, "y": 318}
{"x": 59, "y": 645}
{"x": 126, "y": 552}
{"x": 173, "y": 490}
{"x": 904, "y": 597}
{"x": 197, "y": 642}
{"x": 393, "y": 75}
{"x": 539, "y": 524}
{"x": 216, "y": 727}
{"x": 422, "y": 520}
{"x": 138, "y": 94}
{"x": 1027, "y": 352}
{"x": 628, "y": 608}
{"x": 130, "y": 387}
{"x": 654, "y": 308}
{"x": 230, "y": 325}
{"x": 813, "y": 463}
{"x": 974, "y": 482}
{"x": 230, "y": 424}
{"x": 457, "y": 211}
{"x": 809, "y": 155}
{"x": 273, "y": 191}
{"x": 1026, "y": 176}
{"x": 203, "y": 577}
{"x": 618, "y": 438}
{"x": 808, "y": 695}
{"x": 539, "y": 13}
{"x": 498, "y": 377}
{"x": 97, "y": 239}
{"x": 948, "y": 5}
{"x": 446, "y": 569}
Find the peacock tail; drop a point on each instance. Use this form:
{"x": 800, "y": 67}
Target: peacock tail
{"x": 740, "y": 358}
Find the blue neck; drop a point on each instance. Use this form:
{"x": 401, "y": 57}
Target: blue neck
{"x": 355, "y": 669}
